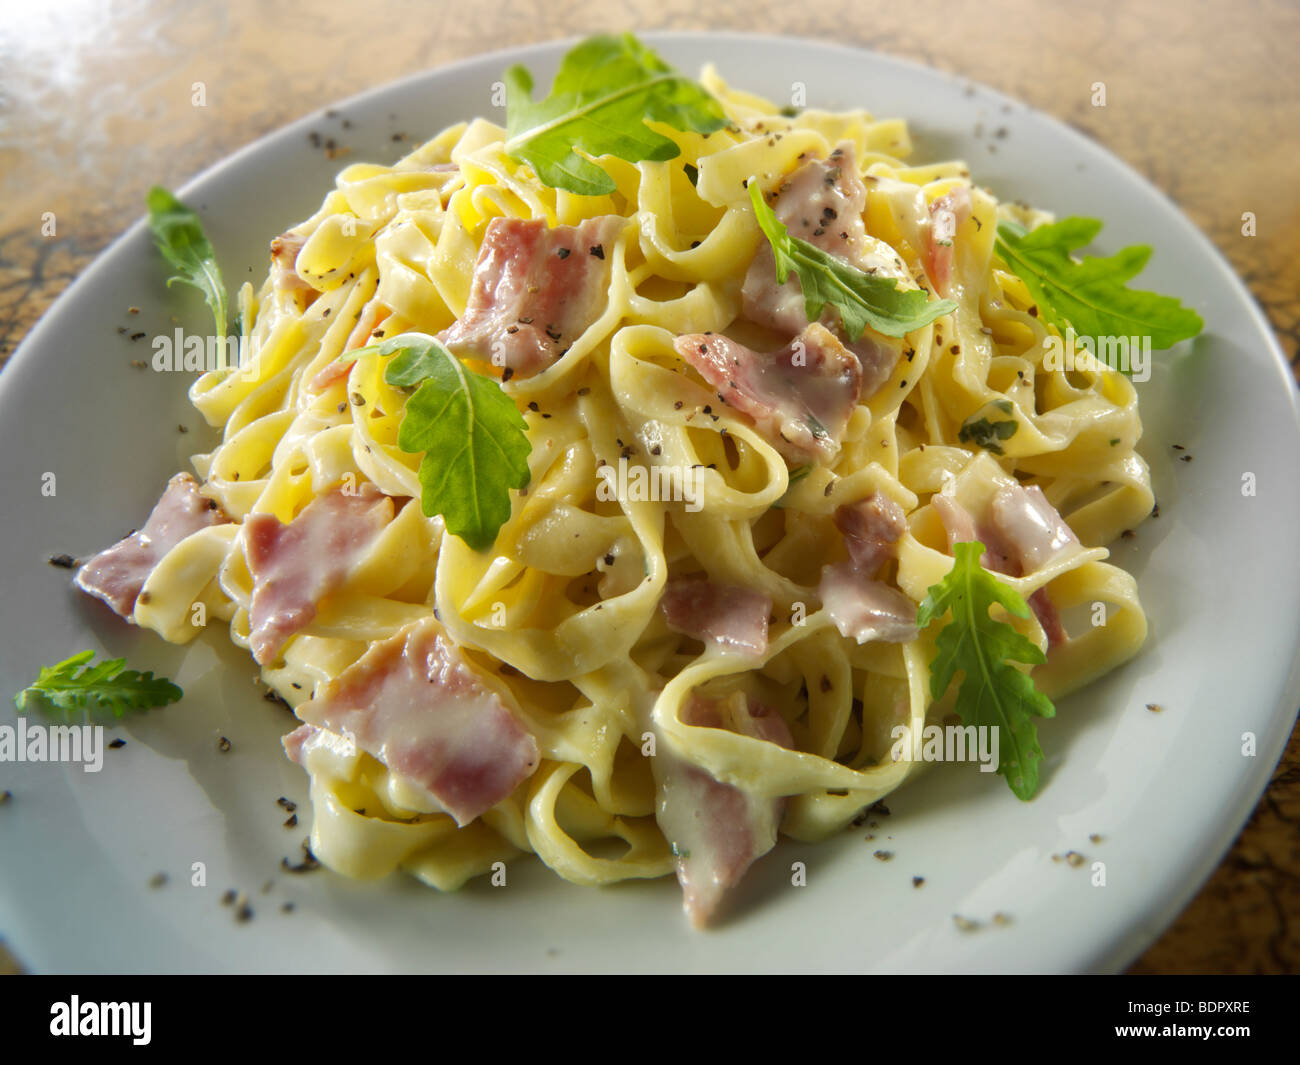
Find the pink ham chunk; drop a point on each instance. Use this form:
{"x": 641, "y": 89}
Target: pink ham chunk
{"x": 297, "y": 741}
{"x": 414, "y": 702}
{"x": 1022, "y": 534}
{"x": 117, "y": 574}
{"x": 372, "y": 316}
{"x": 871, "y": 528}
{"x": 961, "y": 528}
{"x": 1048, "y": 617}
{"x": 947, "y": 213}
{"x": 821, "y": 203}
{"x": 731, "y": 618}
{"x": 295, "y": 566}
{"x": 1034, "y": 534}
{"x": 717, "y": 831}
{"x": 535, "y": 291}
{"x": 1031, "y": 526}
{"x": 284, "y": 271}
{"x": 800, "y": 397}
{"x": 866, "y": 609}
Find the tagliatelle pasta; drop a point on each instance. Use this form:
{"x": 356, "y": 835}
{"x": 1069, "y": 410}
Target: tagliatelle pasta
{"x": 697, "y": 621}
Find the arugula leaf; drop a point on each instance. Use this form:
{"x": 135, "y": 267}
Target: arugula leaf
{"x": 1091, "y": 295}
{"x": 985, "y": 433}
{"x": 474, "y": 440}
{"x": 179, "y": 235}
{"x": 862, "y": 299}
{"x": 605, "y": 90}
{"x": 107, "y": 685}
{"x": 993, "y": 692}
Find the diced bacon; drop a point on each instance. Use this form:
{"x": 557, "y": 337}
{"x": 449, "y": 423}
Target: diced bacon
{"x": 822, "y": 203}
{"x": 866, "y": 609}
{"x": 717, "y": 831}
{"x": 535, "y": 291}
{"x": 414, "y": 702}
{"x": 284, "y": 259}
{"x": 1035, "y": 534}
{"x": 372, "y": 316}
{"x": 871, "y": 529}
{"x": 295, "y": 741}
{"x": 117, "y": 574}
{"x": 947, "y": 213}
{"x": 957, "y": 521}
{"x": 1031, "y": 526}
{"x": 799, "y": 397}
{"x": 1048, "y": 617}
{"x": 961, "y": 528}
{"x": 734, "y": 619}
{"x": 295, "y": 566}
{"x": 1024, "y": 532}
{"x": 337, "y": 370}
{"x": 877, "y": 359}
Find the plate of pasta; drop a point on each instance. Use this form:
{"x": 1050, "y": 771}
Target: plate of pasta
{"x": 664, "y": 504}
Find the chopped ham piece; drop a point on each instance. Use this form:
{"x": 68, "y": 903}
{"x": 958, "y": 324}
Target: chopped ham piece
{"x": 1048, "y": 617}
{"x": 295, "y": 566}
{"x": 337, "y": 370}
{"x": 957, "y": 521}
{"x": 535, "y": 291}
{"x": 961, "y": 529}
{"x": 1031, "y": 526}
{"x": 1035, "y": 534}
{"x": 117, "y": 574}
{"x": 871, "y": 529}
{"x": 734, "y": 619}
{"x": 414, "y": 702}
{"x": 866, "y": 609}
{"x": 717, "y": 831}
{"x": 284, "y": 259}
{"x": 822, "y": 203}
{"x": 1024, "y": 532}
{"x": 946, "y": 214}
{"x": 372, "y": 316}
{"x": 295, "y": 741}
{"x": 800, "y": 397}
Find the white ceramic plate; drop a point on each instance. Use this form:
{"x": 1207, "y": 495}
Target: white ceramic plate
{"x": 1167, "y": 792}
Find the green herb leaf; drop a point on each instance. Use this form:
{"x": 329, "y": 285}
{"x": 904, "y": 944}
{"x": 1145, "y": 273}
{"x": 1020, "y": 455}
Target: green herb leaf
{"x": 862, "y": 299}
{"x": 605, "y": 90}
{"x": 474, "y": 440}
{"x": 1091, "y": 296}
{"x": 107, "y": 685}
{"x": 178, "y": 233}
{"x": 993, "y": 692}
{"x": 984, "y": 433}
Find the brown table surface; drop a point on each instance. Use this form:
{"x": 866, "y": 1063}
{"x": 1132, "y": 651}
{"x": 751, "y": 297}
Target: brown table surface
{"x": 1203, "y": 98}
